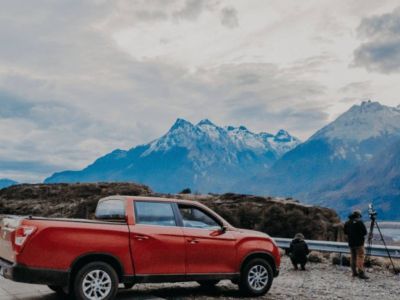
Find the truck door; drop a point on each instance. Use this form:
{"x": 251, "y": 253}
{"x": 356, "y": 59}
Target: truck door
{"x": 157, "y": 243}
{"x": 209, "y": 249}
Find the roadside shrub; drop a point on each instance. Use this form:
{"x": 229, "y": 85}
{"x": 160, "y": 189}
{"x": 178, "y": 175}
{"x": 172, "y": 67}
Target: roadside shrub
{"x": 343, "y": 260}
{"x": 315, "y": 257}
{"x": 186, "y": 191}
{"x": 249, "y": 217}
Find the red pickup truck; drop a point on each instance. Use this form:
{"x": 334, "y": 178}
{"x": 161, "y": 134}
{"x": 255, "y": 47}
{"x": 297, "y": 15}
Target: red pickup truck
{"x": 132, "y": 240}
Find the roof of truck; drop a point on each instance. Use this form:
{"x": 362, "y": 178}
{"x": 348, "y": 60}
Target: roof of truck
{"x": 145, "y": 198}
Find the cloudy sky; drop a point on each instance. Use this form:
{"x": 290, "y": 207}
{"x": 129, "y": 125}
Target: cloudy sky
{"x": 81, "y": 78}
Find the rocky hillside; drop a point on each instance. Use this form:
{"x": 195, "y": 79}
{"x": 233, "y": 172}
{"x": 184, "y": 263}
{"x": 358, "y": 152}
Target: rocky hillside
{"x": 62, "y": 200}
{"x": 278, "y": 217}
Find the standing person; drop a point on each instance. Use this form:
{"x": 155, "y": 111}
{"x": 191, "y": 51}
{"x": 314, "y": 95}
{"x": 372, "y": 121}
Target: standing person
{"x": 355, "y": 230}
{"x": 298, "y": 251}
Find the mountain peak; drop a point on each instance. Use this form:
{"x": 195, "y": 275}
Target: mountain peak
{"x": 282, "y": 132}
{"x": 367, "y": 102}
{"x": 282, "y": 135}
{"x": 180, "y": 123}
{"x": 205, "y": 122}
{"x": 369, "y": 105}
{"x": 361, "y": 122}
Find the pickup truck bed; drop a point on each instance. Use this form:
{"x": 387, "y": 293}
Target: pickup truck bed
{"x": 57, "y": 244}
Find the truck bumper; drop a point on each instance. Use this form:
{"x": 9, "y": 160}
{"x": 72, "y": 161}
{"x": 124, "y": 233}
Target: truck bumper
{"x": 20, "y": 273}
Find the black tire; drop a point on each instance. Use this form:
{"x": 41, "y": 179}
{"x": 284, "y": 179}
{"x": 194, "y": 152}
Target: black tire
{"x": 256, "y": 266}
{"x": 208, "y": 283}
{"x": 61, "y": 291}
{"x": 129, "y": 285}
{"x": 111, "y": 276}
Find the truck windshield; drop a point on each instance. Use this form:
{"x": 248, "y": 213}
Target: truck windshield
{"x": 111, "y": 209}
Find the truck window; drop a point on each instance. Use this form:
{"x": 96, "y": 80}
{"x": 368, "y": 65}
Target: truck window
{"x": 154, "y": 213}
{"x": 111, "y": 209}
{"x": 196, "y": 218}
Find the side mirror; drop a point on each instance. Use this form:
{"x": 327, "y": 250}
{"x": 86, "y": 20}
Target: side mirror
{"x": 219, "y": 231}
{"x": 224, "y": 228}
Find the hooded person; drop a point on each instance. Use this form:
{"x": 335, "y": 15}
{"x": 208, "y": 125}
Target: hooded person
{"x": 298, "y": 251}
{"x": 356, "y": 231}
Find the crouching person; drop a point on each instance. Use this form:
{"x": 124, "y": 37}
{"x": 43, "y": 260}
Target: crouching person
{"x": 298, "y": 252}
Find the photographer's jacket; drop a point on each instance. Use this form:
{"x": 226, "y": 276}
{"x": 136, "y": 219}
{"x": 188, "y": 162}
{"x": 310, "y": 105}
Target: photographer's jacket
{"x": 356, "y": 231}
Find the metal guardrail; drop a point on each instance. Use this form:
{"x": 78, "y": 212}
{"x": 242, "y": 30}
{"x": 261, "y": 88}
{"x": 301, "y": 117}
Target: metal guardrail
{"x": 342, "y": 248}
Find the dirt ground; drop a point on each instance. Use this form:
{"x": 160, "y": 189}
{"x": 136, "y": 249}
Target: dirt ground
{"x": 320, "y": 281}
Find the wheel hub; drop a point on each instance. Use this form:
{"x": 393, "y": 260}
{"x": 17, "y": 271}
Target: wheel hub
{"x": 257, "y": 277}
{"x": 96, "y": 285}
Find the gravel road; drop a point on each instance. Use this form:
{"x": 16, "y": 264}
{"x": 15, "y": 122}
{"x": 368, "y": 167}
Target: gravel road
{"x": 320, "y": 281}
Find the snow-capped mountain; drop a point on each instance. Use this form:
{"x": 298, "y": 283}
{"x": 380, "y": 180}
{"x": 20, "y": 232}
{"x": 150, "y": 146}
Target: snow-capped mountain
{"x": 204, "y": 157}
{"x": 354, "y": 139}
{"x": 208, "y": 143}
{"x": 363, "y": 122}
{"x": 359, "y": 132}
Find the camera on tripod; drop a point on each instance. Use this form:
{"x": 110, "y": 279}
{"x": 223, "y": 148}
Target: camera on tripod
{"x": 372, "y": 212}
{"x": 374, "y": 223}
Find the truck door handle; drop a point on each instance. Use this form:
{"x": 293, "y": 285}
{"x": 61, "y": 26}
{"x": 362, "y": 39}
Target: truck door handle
{"x": 141, "y": 237}
{"x": 193, "y": 241}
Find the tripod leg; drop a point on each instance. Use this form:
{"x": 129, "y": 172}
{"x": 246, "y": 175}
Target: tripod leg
{"x": 370, "y": 237}
{"x": 387, "y": 250}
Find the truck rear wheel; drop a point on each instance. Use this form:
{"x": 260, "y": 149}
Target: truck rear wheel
{"x": 256, "y": 277}
{"x": 96, "y": 281}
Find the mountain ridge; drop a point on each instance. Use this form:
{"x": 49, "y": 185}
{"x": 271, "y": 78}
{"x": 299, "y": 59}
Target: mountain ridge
{"x": 204, "y": 157}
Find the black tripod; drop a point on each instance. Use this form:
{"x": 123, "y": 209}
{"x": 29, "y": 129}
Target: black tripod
{"x": 373, "y": 215}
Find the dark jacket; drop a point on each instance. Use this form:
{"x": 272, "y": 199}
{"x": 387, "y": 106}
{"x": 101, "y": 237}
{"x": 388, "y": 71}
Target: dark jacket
{"x": 298, "y": 250}
{"x": 355, "y": 231}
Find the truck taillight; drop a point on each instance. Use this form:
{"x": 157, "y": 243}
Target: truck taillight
{"x": 21, "y": 234}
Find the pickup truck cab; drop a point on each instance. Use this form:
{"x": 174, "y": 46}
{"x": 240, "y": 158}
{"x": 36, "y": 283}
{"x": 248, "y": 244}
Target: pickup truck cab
{"x": 135, "y": 239}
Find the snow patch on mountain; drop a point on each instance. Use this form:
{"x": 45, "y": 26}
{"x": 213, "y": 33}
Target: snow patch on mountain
{"x": 206, "y": 137}
{"x": 362, "y": 122}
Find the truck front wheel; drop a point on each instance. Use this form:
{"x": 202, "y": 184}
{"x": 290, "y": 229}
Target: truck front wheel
{"x": 256, "y": 277}
{"x": 96, "y": 280}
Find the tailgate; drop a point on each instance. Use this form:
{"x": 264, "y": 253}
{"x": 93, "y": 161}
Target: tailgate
{"x": 8, "y": 224}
